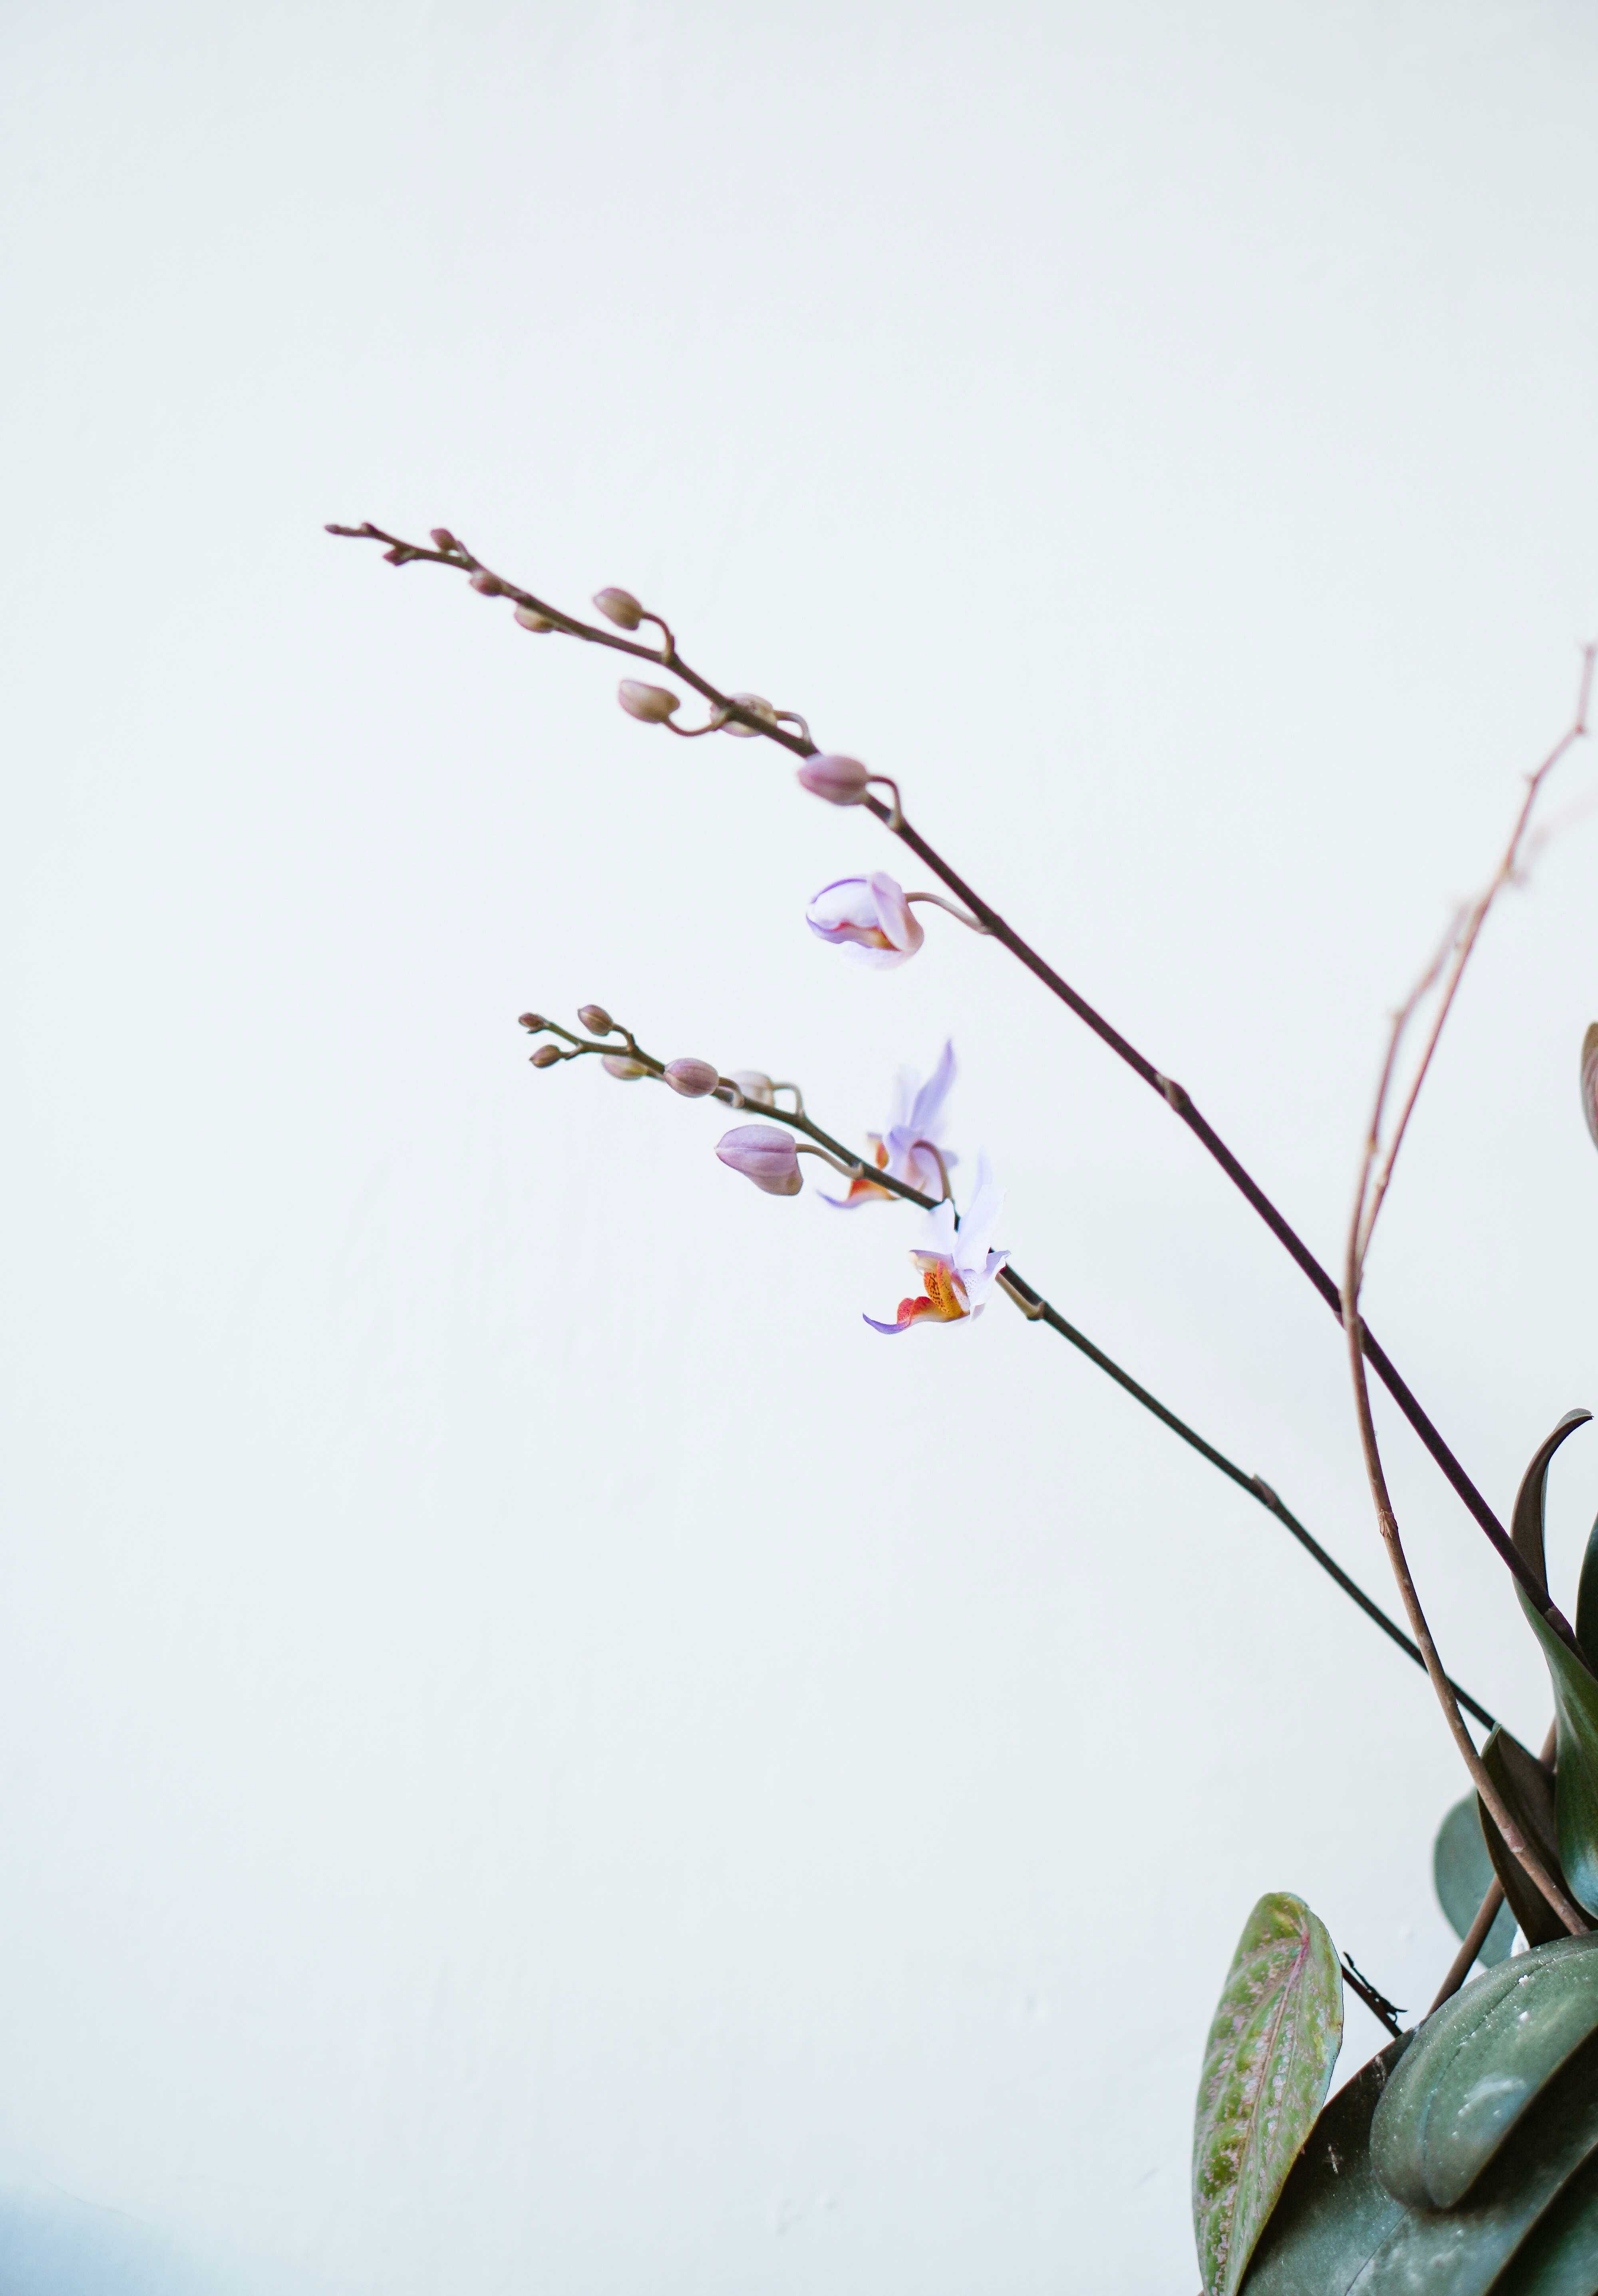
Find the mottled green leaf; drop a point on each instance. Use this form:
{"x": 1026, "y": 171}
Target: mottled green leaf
{"x": 1332, "y": 2216}
{"x": 1267, "y": 2065}
{"x": 1461, "y": 1870}
{"x": 1528, "y": 2224}
{"x": 1475, "y": 2067}
{"x": 1575, "y": 1687}
{"x": 1527, "y": 1789}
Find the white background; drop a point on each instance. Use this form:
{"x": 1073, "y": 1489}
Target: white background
{"x": 536, "y": 1753}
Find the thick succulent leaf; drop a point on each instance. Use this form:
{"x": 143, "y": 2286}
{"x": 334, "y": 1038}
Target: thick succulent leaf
{"x": 1476, "y": 2065}
{"x": 1473, "y": 2248}
{"x": 1575, "y": 1688}
{"x": 1462, "y": 1869}
{"x": 1561, "y": 2259}
{"x": 1527, "y": 2227}
{"x": 1268, "y": 2066}
{"x": 1333, "y": 2215}
{"x": 1528, "y": 1791}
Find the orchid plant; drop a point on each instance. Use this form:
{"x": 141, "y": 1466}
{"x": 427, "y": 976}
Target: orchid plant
{"x": 1464, "y": 2157}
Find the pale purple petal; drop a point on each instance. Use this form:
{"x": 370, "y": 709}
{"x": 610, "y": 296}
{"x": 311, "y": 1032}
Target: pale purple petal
{"x": 894, "y": 914}
{"x": 843, "y": 907}
{"x": 927, "y": 1106}
{"x": 764, "y": 1155}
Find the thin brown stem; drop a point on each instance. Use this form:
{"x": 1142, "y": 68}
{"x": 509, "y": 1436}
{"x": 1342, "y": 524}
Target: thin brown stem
{"x": 1037, "y": 1309}
{"x": 1449, "y": 965}
{"x": 1470, "y": 1950}
{"x": 457, "y": 557}
{"x": 1387, "y": 1522}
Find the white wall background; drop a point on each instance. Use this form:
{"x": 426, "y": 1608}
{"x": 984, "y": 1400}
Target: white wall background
{"x": 536, "y": 1752}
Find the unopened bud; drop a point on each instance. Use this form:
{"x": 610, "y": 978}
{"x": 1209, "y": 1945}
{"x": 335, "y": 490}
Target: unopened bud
{"x": 487, "y": 585}
{"x": 534, "y": 1020}
{"x": 653, "y": 704}
{"x": 757, "y": 706}
{"x": 625, "y": 1071}
{"x": 755, "y": 1086}
{"x": 1589, "y": 1081}
{"x": 620, "y": 607}
{"x": 531, "y": 619}
{"x": 693, "y": 1078}
{"x": 766, "y": 1156}
{"x": 547, "y": 1055}
{"x": 596, "y": 1020}
{"x": 841, "y": 781}
{"x": 443, "y": 539}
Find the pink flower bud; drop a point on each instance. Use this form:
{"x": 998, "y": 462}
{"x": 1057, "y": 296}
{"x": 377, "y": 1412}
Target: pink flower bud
{"x": 757, "y": 706}
{"x": 693, "y": 1078}
{"x": 487, "y": 585}
{"x": 755, "y": 1085}
{"x": 625, "y": 1071}
{"x": 653, "y": 704}
{"x": 443, "y": 539}
{"x": 531, "y": 619}
{"x": 547, "y": 1055}
{"x": 620, "y": 607}
{"x": 841, "y": 781}
{"x": 1589, "y": 1081}
{"x": 764, "y": 1155}
{"x": 530, "y": 1021}
{"x": 596, "y": 1020}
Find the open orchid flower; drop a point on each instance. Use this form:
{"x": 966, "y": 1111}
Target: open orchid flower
{"x": 869, "y": 917}
{"x": 908, "y": 1150}
{"x": 958, "y": 1268}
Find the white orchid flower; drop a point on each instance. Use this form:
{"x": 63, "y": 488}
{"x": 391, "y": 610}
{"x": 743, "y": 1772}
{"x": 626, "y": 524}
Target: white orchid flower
{"x": 908, "y": 1150}
{"x": 958, "y": 1264}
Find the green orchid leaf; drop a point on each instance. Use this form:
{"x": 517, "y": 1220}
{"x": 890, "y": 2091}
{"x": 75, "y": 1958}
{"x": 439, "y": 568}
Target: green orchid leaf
{"x": 1498, "y": 2088}
{"x": 1268, "y": 2066}
{"x": 1461, "y": 1870}
{"x": 1586, "y": 1602}
{"x": 1528, "y": 1792}
{"x": 1575, "y": 1687}
{"x": 1475, "y": 2068}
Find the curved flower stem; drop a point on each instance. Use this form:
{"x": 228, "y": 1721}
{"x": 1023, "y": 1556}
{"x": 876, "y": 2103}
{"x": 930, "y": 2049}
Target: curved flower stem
{"x": 1470, "y": 1944}
{"x": 1037, "y": 1309}
{"x": 1573, "y": 1919}
{"x": 971, "y": 924}
{"x": 1486, "y": 1915}
{"x": 455, "y": 555}
{"x": 854, "y": 1171}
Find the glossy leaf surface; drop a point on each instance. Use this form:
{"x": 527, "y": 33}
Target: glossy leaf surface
{"x": 1461, "y": 1870}
{"x": 1575, "y": 1688}
{"x": 1268, "y": 2066}
{"x": 1527, "y": 2226}
{"x": 1561, "y": 2259}
{"x": 1476, "y": 2065}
